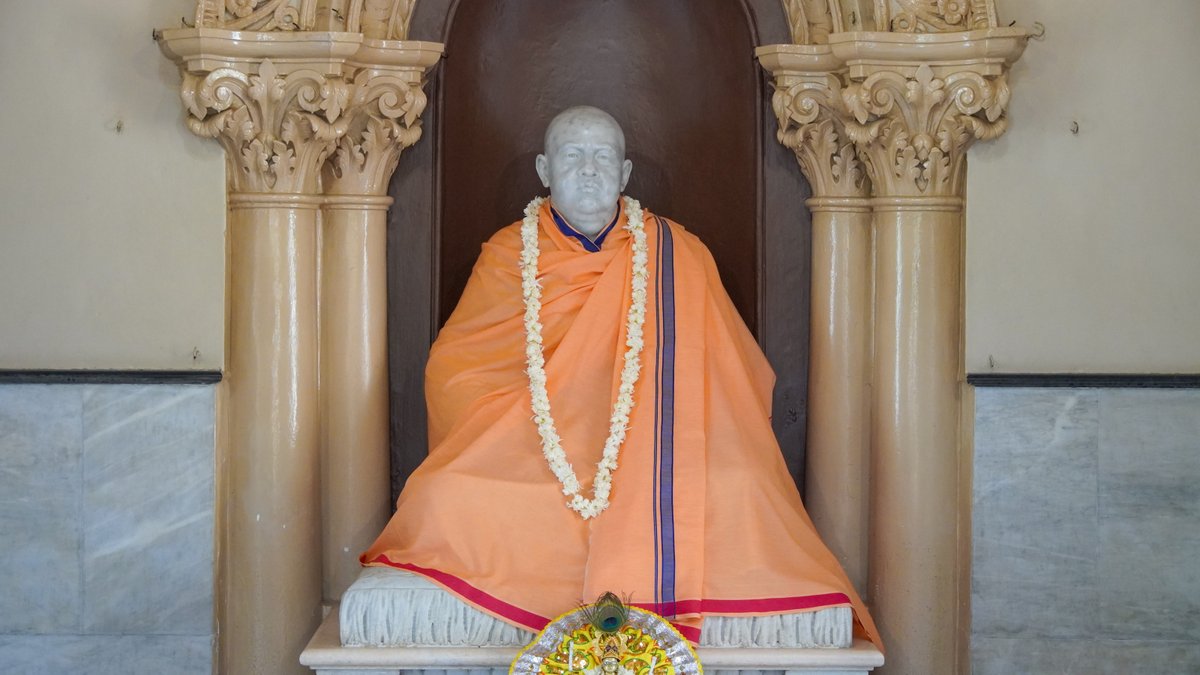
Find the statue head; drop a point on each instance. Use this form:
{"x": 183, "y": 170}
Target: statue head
{"x": 584, "y": 166}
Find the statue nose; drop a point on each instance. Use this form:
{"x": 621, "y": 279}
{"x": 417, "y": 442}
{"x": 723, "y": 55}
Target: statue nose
{"x": 588, "y": 168}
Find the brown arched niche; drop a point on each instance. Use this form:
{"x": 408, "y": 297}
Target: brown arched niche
{"x": 695, "y": 109}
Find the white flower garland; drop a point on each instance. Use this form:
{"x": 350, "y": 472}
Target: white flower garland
{"x": 536, "y": 361}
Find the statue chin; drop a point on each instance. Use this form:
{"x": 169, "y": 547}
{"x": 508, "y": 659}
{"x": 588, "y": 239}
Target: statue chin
{"x": 585, "y": 209}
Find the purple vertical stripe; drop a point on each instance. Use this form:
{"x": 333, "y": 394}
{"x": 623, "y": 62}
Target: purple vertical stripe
{"x": 666, "y": 387}
{"x": 654, "y": 518}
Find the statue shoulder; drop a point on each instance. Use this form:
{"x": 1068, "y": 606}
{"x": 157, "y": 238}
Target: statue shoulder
{"x": 503, "y": 247}
{"x": 507, "y": 237}
{"x": 685, "y": 238}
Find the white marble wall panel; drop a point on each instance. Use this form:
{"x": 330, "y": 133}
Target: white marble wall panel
{"x": 106, "y": 654}
{"x": 106, "y": 519}
{"x": 1086, "y": 505}
{"x": 1150, "y": 515}
{"x": 1034, "y": 566}
{"x": 1031, "y": 656}
{"x": 40, "y": 491}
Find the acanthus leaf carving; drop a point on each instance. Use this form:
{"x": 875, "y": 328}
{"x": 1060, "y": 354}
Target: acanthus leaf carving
{"x": 383, "y": 120}
{"x": 913, "y": 132}
{"x": 812, "y": 124}
{"x": 277, "y": 129}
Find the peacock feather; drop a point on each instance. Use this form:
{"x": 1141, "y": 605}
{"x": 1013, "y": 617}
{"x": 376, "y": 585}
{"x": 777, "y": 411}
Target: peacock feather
{"x": 608, "y": 614}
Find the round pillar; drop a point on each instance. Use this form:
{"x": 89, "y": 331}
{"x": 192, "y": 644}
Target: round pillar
{"x": 356, "y": 470}
{"x": 271, "y": 593}
{"x": 914, "y": 517}
{"x": 836, "y": 492}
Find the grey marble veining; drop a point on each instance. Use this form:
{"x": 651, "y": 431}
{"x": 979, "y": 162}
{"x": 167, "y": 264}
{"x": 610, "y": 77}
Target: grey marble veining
{"x": 1025, "y": 656}
{"x": 1086, "y": 535}
{"x": 148, "y": 509}
{"x": 1150, "y": 453}
{"x": 1150, "y": 514}
{"x": 1150, "y": 579}
{"x": 106, "y": 654}
{"x": 40, "y": 446}
{"x": 1036, "y": 539}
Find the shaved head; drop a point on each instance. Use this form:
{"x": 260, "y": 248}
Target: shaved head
{"x": 584, "y": 166}
{"x": 575, "y": 119}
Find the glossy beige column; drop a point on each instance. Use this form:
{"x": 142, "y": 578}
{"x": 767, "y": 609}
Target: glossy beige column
{"x": 278, "y": 124}
{"x": 917, "y": 102}
{"x": 807, "y": 104}
{"x": 383, "y": 119}
{"x": 272, "y": 590}
{"x": 354, "y": 383}
{"x": 914, "y": 432}
{"x": 839, "y": 403}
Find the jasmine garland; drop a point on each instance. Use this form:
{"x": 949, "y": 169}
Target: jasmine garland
{"x": 536, "y": 363}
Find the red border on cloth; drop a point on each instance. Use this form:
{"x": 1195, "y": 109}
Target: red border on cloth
{"x": 536, "y": 622}
{"x": 473, "y": 595}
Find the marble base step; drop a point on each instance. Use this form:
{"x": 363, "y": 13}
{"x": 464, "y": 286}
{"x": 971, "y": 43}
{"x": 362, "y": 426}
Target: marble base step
{"x": 326, "y": 656}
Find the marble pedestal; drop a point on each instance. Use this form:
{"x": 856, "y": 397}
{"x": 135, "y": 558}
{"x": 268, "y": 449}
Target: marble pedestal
{"x": 326, "y": 656}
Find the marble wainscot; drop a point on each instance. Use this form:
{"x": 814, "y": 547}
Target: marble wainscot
{"x": 1085, "y": 535}
{"x": 106, "y": 519}
{"x": 391, "y": 622}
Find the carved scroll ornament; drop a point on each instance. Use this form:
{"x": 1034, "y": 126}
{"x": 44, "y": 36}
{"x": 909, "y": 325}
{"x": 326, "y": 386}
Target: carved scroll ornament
{"x": 913, "y": 132}
{"x": 812, "y": 123}
{"x": 936, "y": 16}
{"x": 812, "y": 21}
{"x": 384, "y": 120}
{"x": 377, "y": 19}
{"x": 809, "y": 20}
{"x": 277, "y": 130}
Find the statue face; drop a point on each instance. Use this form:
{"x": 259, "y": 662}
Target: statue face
{"x": 584, "y": 166}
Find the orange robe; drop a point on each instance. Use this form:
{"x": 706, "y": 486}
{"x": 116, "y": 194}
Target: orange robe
{"x": 704, "y": 517}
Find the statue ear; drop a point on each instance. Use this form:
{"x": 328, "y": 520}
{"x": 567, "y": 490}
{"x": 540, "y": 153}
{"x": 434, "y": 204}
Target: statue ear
{"x": 543, "y": 169}
{"x": 626, "y": 169}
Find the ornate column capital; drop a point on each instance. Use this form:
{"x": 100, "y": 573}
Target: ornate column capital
{"x": 277, "y": 129}
{"x": 383, "y": 118}
{"x": 918, "y": 101}
{"x": 812, "y": 118}
{"x": 282, "y": 102}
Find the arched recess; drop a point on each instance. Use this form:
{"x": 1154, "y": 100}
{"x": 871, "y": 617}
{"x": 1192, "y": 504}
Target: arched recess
{"x": 700, "y": 132}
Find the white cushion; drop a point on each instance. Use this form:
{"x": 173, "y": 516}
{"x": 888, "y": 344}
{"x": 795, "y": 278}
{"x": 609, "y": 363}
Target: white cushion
{"x": 387, "y": 607}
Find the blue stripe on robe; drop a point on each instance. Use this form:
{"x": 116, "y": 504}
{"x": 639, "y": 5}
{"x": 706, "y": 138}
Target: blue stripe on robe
{"x": 590, "y": 245}
{"x": 666, "y": 432}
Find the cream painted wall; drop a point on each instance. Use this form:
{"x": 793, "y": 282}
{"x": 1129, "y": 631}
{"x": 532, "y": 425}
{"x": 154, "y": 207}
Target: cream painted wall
{"x": 112, "y": 215}
{"x": 1082, "y": 249}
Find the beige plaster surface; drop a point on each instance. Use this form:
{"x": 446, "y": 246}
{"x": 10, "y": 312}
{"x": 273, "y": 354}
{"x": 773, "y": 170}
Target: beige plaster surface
{"x": 1081, "y": 247}
{"x": 112, "y": 215}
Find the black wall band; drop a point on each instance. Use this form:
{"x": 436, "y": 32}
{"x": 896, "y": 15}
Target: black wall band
{"x": 109, "y": 376}
{"x": 1085, "y": 380}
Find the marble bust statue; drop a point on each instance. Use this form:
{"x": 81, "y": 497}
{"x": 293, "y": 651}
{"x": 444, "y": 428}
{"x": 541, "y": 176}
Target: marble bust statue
{"x": 599, "y": 420}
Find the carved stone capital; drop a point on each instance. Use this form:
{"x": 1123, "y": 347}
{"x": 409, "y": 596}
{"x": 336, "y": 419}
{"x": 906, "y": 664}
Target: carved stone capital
{"x": 384, "y": 118}
{"x": 914, "y": 132}
{"x": 918, "y": 101}
{"x": 277, "y": 129}
{"x": 812, "y": 119}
